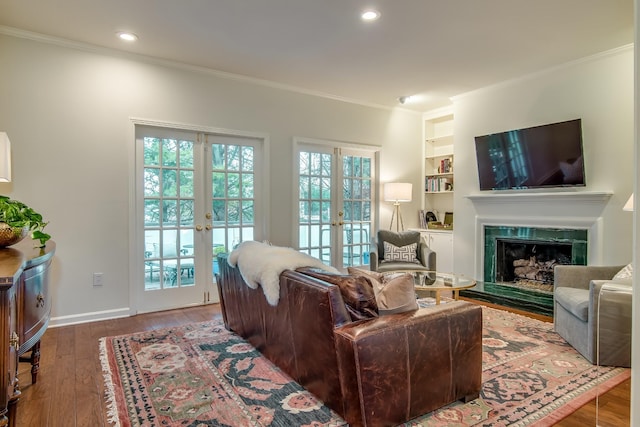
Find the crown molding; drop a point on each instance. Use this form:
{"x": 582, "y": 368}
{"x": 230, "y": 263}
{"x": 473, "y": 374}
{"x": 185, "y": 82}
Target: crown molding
{"x": 87, "y": 47}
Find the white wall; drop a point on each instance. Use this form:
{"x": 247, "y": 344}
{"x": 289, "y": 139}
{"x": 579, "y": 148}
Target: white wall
{"x": 68, "y": 114}
{"x": 599, "y": 90}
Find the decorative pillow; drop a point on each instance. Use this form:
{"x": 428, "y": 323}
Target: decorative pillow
{"x": 406, "y": 253}
{"x": 357, "y": 292}
{"x": 394, "y": 293}
{"x": 625, "y": 273}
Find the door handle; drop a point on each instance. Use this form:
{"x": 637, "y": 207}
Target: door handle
{"x": 208, "y": 227}
{"x": 198, "y": 227}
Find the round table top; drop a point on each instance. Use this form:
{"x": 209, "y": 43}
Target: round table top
{"x": 435, "y": 280}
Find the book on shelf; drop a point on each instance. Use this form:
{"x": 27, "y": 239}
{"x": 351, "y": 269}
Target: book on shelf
{"x": 446, "y": 165}
{"x": 434, "y": 184}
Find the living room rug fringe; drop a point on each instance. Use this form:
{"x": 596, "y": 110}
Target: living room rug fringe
{"x": 112, "y": 410}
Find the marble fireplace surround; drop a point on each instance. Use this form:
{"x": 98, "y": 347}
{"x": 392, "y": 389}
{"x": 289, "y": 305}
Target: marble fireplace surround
{"x": 574, "y": 210}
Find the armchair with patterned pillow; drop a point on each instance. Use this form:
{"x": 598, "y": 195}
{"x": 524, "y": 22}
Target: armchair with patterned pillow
{"x": 396, "y": 251}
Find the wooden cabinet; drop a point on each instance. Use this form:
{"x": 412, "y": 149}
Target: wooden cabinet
{"x": 25, "y": 307}
{"x": 441, "y": 241}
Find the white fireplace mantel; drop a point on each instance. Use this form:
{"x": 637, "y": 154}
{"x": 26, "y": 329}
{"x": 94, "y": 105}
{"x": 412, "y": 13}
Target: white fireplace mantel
{"x": 590, "y": 197}
{"x": 576, "y": 209}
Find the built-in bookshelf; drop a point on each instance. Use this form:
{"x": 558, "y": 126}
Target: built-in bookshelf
{"x": 438, "y": 161}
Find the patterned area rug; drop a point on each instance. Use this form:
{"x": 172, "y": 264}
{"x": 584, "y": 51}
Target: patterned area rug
{"x": 202, "y": 375}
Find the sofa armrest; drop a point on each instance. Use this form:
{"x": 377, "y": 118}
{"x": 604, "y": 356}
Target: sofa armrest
{"x": 612, "y": 322}
{"x": 411, "y": 363}
{"x": 373, "y": 261}
{"x": 579, "y": 276}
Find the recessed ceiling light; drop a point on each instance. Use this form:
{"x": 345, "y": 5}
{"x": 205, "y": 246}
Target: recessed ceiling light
{"x": 370, "y": 15}
{"x": 129, "y": 37}
{"x": 409, "y": 99}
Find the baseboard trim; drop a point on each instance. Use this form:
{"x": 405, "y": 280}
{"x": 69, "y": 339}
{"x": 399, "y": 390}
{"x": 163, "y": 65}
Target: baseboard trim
{"x": 95, "y": 316}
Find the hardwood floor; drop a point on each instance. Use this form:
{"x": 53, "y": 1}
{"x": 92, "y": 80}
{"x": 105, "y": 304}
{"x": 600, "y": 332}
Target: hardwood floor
{"x": 69, "y": 390}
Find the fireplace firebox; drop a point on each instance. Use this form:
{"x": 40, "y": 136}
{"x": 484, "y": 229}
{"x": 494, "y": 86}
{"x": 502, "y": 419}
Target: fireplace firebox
{"x": 529, "y": 264}
{"x": 519, "y": 262}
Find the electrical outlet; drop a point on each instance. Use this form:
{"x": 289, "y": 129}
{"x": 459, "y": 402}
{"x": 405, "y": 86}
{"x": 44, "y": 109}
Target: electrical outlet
{"x": 97, "y": 279}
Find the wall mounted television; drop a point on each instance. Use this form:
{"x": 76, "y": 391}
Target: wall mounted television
{"x": 543, "y": 156}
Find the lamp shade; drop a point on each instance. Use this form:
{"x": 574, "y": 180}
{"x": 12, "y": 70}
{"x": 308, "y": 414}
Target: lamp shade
{"x": 397, "y": 192}
{"x": 5, "y": 158}
{"x": 629, "y": 205}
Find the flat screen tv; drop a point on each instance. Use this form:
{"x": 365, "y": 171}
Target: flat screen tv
{"x": 537, "y": 157}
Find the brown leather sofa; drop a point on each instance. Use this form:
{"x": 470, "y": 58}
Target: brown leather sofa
{"x": 380, "y": 371}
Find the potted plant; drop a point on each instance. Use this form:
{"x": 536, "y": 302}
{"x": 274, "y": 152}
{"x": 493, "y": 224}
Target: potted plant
{"x": 17, "y": 220}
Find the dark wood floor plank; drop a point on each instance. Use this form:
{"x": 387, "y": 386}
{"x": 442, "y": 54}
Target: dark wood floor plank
{"x": 70, "y": 388}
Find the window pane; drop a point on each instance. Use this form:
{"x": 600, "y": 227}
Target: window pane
{"x": 233, "y": 212}
{"x": 219, "y": 210}
{"x": 169, "y": 152}
{"x": 151, "y": 151}
{"x": 186, "y": 212}
{"x": 218, "y": 156}
{"x": 169, "y": 243}
{"x": 315, "y": 188}
{"x": 151, "y": 213}
{"x": 186, "y": 183}
{"x": 304, "y": 164}
{"x": 247, "y": 185}
{"x": 247, "y": 212}
{"x": 186, "y": 154}
{"x": 151, "y": 242}
{"x": 304, "y": 187}
{"x": 347, "y": 166}
{"x": 326, "y": 211}
{"x": 326, "y": 189}
{"x": 169, "y": 212}
{"x": 247, "y": 159}
{"x": 218, "y": 184}
{"x": 233, "y": 185}
{"x": 169, "y": 183}
{"x": 151, "y": 182}
{"x": 315, "y": 165}
{"x": 326, "y": 165}
{"x": 305, "y": 213}
{"x": 233, "y": 152}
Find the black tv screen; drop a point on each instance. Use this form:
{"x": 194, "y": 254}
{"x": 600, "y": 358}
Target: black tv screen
{"x": 542, "y": 156}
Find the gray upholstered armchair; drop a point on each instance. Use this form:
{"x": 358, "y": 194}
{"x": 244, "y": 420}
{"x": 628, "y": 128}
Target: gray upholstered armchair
{"x": 426, "y": 258}
{"x": 577, "y": 298}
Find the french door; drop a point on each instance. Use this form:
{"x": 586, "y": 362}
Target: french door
{"x": 196, "y": 197}
{"x": 335, "y": 200}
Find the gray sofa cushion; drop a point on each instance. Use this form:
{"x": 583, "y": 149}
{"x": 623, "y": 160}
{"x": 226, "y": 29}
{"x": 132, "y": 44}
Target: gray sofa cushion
{"x": 576, "y": 301}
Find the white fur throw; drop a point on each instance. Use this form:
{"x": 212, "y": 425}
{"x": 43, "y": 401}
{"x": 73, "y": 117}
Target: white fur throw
{"x": 261, "y": 264}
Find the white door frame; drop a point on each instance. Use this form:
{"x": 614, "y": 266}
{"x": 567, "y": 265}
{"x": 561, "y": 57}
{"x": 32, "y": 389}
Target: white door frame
{"x": 298, "y": 142}
{"x": 136, "y": 249}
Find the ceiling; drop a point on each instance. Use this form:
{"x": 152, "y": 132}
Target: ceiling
{"x": 433, "y": 48}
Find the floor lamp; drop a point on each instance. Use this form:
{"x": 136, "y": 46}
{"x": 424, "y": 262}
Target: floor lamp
{"x": 397, "y": 192}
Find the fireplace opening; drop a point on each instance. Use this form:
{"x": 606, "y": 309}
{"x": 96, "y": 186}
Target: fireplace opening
{"x": 529, "y": 264}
